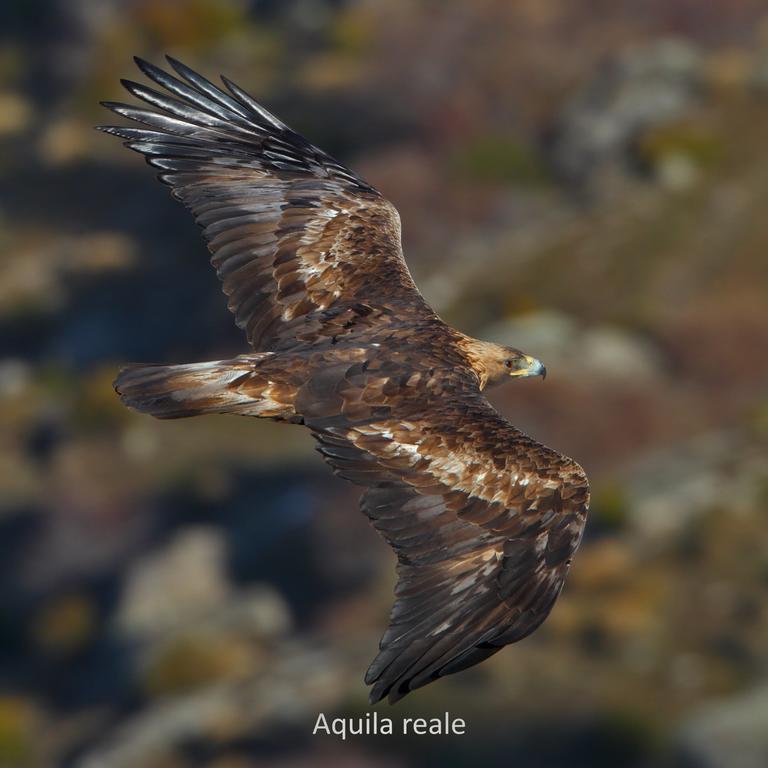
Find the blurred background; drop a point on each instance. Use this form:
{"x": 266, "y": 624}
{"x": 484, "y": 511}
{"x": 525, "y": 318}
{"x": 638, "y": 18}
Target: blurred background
{"x": 587, "y": 181}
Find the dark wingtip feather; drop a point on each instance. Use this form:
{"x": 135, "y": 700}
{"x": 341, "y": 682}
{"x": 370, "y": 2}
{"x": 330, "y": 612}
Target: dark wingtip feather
{"x": 207, "y": 88}
{"x": 383, "y": 690}
{"x": 112, "y": 130}
{"x": 114, "y": 106}
{"x": 384, "y": 687}
{"x": 250, "y": 103}
{"x": 375, "y": 696}
{"x": 143, "y": 64}
{"x": 154, "y": 73}
{"x": 183, "y": 70}
{"x": 131, "y": 86}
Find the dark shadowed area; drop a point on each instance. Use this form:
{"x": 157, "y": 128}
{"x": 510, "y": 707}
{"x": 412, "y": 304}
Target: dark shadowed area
{"x": 585, "y": 181}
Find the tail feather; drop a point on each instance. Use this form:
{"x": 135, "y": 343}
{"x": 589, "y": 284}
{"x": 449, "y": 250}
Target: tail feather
{"x": 177, "y": 391}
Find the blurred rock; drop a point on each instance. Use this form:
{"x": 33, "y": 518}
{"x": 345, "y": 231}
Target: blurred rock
{"x": 15, "y": 113}
{"x": 14, "y": 377}
{"x": 677, "y": 172}
{"x": 258, "y": 612}
{"x": 677, "y": 152}
{"x": 645, "y": 86}
{"x": 29, "y": 281}
{"x": 196, "y": 660}
{"x": 39, "y": 276}
{"x": 229, "y": 709}
{"x": 159, "y": 727}
{"x": 730, "y": 733}
{"x": 64, "y": 140}
{"x": 671, "y": 487}
{"x": 139, "y": 442}
{"x": 179, "y": 584}
{"x": 98, "y": 252}
{"x": 617, "y": 353}
{"x": 186, "y": 584}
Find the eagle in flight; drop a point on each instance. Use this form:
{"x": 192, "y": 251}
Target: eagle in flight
{"x": 483, "y": 519}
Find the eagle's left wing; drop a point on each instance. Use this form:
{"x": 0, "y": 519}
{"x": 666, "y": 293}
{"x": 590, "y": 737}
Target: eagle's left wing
{"x": 297, "y": 239}
{"x": 484, "y": 521}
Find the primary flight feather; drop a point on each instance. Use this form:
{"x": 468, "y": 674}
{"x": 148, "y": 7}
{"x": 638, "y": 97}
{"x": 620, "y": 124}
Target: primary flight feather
{"x": 484, "y": 520}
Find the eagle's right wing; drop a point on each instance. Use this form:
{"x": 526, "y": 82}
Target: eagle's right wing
{"x": 292, "y": 232}
{"x": 484, "y": 521}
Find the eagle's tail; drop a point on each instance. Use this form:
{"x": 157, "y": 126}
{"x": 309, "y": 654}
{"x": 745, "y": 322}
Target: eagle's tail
{"x": 194, "y": 389}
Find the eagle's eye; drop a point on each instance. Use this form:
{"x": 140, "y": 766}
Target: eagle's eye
{"x": 508, "y": 363}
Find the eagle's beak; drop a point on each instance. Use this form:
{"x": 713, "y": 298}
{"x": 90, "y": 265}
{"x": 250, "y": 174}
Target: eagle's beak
{"x": 528, "y": 366}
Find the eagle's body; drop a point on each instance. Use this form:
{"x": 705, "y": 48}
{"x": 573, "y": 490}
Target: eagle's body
{"x": 484, "y": 519}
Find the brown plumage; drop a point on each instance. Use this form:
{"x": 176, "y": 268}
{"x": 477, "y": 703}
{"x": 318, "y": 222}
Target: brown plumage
{"x": 484, "y": 520}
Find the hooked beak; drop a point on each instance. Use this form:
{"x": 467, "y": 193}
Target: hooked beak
{"x": 528, "y": 366}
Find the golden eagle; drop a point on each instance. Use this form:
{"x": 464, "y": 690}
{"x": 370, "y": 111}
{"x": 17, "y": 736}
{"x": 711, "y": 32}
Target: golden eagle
{"x": 484, "y": 520}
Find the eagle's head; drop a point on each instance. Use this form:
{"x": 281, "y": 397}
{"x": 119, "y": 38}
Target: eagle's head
{"x": 497, "y": 363}
{"x": 513, "y": 363}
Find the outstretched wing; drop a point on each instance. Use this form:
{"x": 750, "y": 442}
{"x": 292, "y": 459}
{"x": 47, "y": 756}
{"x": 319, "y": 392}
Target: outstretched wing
{"x": 484, "y": 522}
{"x": 292, "y": 232}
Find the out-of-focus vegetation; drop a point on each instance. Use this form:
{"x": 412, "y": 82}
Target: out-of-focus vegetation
{"x": 587, "y": 181}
